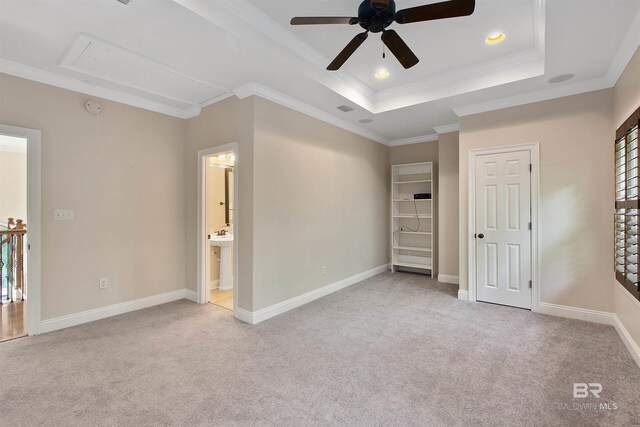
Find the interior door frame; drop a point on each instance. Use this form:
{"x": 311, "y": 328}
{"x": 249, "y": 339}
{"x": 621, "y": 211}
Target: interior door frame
{"x": 536, "y": 256}
{"x": 202, "y": 243}
{"x": 34, "y": 222}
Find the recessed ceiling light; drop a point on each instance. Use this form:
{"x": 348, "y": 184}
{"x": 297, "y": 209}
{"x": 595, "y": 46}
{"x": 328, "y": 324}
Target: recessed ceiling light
{"x": 382, "y": 74}
{"x": 365, "y": 121}
{"x": 494, "y": 38}
{"x": 561, "y": 78}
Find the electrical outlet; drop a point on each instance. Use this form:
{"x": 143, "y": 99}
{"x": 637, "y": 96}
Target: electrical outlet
{"x": 324, "y": 270}
{"x": 104, "y": 283}
{"x": 63, "y": 215}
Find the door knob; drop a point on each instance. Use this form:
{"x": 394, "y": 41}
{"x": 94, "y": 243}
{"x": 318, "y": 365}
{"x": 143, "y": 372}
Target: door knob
{"x": 480, "y": 236}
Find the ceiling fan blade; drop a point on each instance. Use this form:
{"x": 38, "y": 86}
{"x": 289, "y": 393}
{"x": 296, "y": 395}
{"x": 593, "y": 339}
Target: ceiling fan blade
{"x": 399, "y": 48}
{"x": 348, "y": 51}
{"x": 319, "y": 20}
{"x": 430, "y": 12}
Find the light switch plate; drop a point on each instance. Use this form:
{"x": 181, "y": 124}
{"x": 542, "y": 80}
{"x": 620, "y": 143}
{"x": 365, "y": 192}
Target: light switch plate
{"x": 63, "y": 215}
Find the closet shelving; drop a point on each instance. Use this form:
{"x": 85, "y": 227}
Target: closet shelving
{"x": 412, "y": 220}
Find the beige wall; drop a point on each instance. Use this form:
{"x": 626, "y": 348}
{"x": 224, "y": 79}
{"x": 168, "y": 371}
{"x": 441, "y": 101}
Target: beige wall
{"x": 122, "y": 172}
{"x": 575, "y": 136}
{"x": 626, "y": 95}
{"x": 223, "y": 123}
{"x": 448, "y": 206}
{"x": 13, "y": 186}
{"x": 414, "y": 153}
{"x": 321, "y": 199}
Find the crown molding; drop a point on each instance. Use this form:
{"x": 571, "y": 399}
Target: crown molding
{"x": 256, "y": 89}
{"x": 75, "y": 85}
{"x": 453, "y": 127}
{"x": 625, "y": 52}
{"x": 414, "y": 140}
{"x": 537, "y": 96}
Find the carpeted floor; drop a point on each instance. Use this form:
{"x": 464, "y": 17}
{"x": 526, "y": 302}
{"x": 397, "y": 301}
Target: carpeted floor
{"x": 393, "y": 350}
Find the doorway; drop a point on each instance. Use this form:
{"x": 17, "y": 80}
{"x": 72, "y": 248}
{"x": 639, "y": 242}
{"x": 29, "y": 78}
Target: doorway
{"x": 19, "y": 232}
{"x": 503, "y": 224}
{"x": 218, "y": 227}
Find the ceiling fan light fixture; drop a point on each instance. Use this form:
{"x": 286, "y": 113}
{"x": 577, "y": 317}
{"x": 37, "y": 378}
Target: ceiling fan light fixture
{"x": 382, "y": 74}
{"x": 494, "y": 38}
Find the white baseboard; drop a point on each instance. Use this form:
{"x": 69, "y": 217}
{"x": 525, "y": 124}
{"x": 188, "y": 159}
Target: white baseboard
{"x": 447, "y": 278}
{"x": 463, "y": 294}
{"x": 628, "y": 341}
{"x": 214, "y": 284}
{"x": 284, "y": 306}
{"x": 191, "y": 295}
{"x": 108, "y": 311}
{"x": 576, "y": 313}
{"x": 244, "y": 315}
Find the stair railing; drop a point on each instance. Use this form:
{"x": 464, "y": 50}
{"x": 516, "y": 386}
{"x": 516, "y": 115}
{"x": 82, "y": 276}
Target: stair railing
{"x": 12, "y": 243}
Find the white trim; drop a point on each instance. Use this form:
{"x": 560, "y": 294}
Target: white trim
{"x": 256, "y": 89}
{"x": 536, "y": 96}
{"x": 463, "y": 294}
{"x": 536, "y": 254}
{"x": 512, "y": 68}
{"x": 191, "y": 295}
{"x": 109, "y": 311}
{"x": 203, "y": 289}
{"x": 414, "y": 140}
{"x": 244, "y": 315}
{"x": 577, "y": 313}
{"x": 448, "y": 278}
{"x": 594, "y": 316}
{"x": 69, "y": 83}
{"x": 213, "y": 284}
{"x": 34, "y": 222}
{"x": 290, "y": 304}
{"x": 453, "y": 127}
{"x": 626, "y": 337}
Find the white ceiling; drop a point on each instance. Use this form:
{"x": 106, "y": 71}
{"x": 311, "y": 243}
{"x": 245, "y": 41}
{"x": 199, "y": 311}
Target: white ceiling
{"x": 181, "y": 55}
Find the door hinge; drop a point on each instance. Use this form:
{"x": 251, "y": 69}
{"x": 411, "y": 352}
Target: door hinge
{"x": 530, "y": 167}
{"x": 530, "y": 284}
{"x": 529, "y": 226}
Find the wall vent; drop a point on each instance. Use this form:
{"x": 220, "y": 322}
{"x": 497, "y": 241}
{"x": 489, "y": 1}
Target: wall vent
{"x": 345, "y": 108}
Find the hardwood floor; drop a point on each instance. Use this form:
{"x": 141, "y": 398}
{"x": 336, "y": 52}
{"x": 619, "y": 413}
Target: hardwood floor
{"x": 13, "y": 320}
{"x": 222, "y": 299}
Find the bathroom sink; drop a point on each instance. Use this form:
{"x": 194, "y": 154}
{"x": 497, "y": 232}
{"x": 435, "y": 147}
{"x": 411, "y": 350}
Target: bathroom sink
{"x": 221, "y": 241}
{"x": 226, "y": 270}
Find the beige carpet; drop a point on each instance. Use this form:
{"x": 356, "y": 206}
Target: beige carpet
{"x": 393, "y": 350}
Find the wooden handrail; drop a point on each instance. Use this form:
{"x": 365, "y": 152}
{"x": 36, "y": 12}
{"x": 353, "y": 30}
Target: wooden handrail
{"x": 12, "y": 232}
{"x": 17, "y": 229}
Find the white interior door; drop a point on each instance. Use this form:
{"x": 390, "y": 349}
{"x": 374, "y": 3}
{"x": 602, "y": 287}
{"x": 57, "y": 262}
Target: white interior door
{"x": 503, "y": 235}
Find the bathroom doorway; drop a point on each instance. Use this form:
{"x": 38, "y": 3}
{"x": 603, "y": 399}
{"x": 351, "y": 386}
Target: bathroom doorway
{"x": 218, "y": 227}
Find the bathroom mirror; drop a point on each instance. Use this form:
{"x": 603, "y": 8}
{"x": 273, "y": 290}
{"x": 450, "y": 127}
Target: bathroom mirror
{"x": 228, "y": 196}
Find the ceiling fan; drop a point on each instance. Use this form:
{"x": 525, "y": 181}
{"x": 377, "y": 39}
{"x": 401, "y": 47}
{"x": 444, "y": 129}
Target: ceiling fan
{"x": 376, "y": 15}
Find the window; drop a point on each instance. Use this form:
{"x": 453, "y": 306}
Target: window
{"x": 627, "y": 204}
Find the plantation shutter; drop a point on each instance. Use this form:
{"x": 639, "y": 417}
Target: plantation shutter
{"x": 627, "y": 165}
